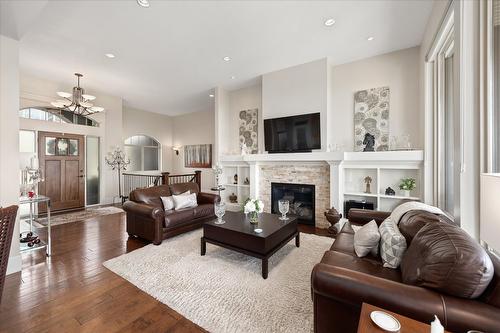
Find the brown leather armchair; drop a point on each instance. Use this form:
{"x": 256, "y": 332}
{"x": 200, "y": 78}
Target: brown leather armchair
{"x": 147, "y": 219}
{"x": 341, "y": 282}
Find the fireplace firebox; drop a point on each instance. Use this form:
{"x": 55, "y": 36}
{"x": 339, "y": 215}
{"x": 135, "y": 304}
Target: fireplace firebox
{"x": 301, "y": 198}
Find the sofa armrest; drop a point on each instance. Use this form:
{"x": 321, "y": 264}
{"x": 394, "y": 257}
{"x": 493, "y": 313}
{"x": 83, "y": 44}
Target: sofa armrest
{"x": 352, "y": 288}
{"x": 155, "y": 213}
{"x": 363, "y": 216}
{"x": 207, "y": 198}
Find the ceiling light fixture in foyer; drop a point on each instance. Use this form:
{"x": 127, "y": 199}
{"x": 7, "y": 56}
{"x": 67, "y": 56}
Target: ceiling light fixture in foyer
{"x": 143, "y": 3}
{"x": 77, "y": 102}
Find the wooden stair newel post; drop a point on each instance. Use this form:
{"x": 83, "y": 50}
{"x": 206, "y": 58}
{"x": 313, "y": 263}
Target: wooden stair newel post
{"x": 197, "y": 175}
{"x": 164, "y": 178}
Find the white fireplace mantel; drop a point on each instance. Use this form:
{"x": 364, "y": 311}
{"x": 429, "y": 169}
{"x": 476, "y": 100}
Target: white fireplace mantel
{"x": 382, "y": 156}
{"x": 338, "y": 163}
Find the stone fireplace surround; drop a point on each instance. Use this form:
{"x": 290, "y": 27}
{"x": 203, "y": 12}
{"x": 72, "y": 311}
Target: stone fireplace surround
{"x": 320, "y": 169}
{"x": 312, "y": 173}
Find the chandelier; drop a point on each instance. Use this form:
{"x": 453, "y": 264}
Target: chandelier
{"x": 78, "y": 102}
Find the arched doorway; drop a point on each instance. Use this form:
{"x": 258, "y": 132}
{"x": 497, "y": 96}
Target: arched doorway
{"x": 143, "y": 152}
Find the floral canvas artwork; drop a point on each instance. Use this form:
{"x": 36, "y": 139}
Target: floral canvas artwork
{"x": 371, "y": 115}
{"x": 248, "y": 130}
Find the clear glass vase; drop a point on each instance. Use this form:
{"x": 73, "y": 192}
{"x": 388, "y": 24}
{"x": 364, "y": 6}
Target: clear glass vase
{"x": 253, "y": 217}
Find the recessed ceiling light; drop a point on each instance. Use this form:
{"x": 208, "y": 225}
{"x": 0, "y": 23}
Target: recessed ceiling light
{"x": 370, "y": 38}
{"x": 329, "y": 22}
{"x": 110, "y": 55}
{"x": 233, "y": 77}
{"x": 211, "y": 95}
{"x": 226, "y": 58}
{"x": 143, "y": 3}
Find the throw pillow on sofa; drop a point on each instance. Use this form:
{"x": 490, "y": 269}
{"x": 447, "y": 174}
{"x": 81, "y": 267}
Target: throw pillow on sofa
{"x": 366, "y": 239}
{"x": 411, "y": 223}
{"x": 185, "y": 201}
{"x": 392, "y": 244}
{"x": 168, "y": 202}
{"x": 444, "y": 257}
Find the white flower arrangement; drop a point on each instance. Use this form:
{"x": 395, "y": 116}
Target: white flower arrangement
{"x": 253, "y": 206}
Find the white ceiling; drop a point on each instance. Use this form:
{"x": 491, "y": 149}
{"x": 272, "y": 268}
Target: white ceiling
{"x": 169, "y": 56}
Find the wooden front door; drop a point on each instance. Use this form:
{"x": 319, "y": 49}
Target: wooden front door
{"x": 62, "y": 160}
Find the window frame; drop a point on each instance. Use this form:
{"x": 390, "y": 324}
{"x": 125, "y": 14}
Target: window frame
{"x": 442, "y": 48}
{"x": 57, "y": 116}
{"x": 142, "y": 147}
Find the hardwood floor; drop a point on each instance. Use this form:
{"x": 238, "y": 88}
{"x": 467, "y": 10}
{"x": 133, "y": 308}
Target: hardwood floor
{"x": 73, "y": 292}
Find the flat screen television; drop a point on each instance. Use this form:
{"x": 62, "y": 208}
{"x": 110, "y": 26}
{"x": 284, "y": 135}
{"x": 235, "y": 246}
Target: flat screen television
{"x": 293, "y": 134}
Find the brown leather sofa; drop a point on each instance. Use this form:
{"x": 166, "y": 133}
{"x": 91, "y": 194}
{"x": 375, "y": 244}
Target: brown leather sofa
{"x": 147, "y": 219}
{"x": 341, "y": 282}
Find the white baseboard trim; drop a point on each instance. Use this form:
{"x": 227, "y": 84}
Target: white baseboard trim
{"x": 15, "y": 264}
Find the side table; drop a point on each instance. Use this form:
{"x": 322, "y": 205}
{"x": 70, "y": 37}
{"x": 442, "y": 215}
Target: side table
{"x": 42, "y": 245}
{"x": 218, "y": 189}
{"x": 408, "y": 325}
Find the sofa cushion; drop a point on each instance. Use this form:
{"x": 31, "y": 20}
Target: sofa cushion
{"x": 168, "y": 202}
{"x": 185, "y": 201}
{"x": 177, "y": 189}
{"x": 204, "y": 210}
{"x": 151, "y": 195}
{"x": 344, "y": 242}
{"x": 366, "y": 239}
{"x": 444, "y": 257}
{"x": 411, "y": 222}
{"x": 174, "y": 218}
{"x": 392, "y": 244}
{"x": 370, "y": 267}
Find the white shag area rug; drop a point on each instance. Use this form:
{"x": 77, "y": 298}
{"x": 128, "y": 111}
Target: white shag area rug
{"x": 224, "y": 291}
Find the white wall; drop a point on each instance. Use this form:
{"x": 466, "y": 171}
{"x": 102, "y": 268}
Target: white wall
{"x": 239, "y": 100}
{"x": 320, "y": 87}
{"x": 222, "y": 122}
{"x": 9, "y": 137}
{"x": 399, "y": 71}
{"x": 297, "y": 90}
{"x": 155, "y": 125}
{"x": 190, "y": 129}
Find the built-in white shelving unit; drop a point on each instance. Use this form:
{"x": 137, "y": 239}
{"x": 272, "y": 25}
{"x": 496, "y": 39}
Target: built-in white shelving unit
{"x": 239, "y": 187}
{"x": 347, "y": 173}
{"x": 384, "y": 173}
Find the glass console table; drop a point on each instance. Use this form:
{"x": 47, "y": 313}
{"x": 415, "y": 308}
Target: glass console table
{"x": 41, "y": 244}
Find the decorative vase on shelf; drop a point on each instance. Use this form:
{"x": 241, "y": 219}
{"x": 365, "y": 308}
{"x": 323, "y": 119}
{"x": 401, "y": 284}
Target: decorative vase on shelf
{"x": 406, "y": 193}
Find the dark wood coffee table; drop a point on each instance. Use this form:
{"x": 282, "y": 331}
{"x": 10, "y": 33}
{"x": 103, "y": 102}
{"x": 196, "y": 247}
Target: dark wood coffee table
{"x": 239, "y": 235}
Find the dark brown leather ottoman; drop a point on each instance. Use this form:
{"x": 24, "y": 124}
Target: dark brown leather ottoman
{"x": 238, "y": 234}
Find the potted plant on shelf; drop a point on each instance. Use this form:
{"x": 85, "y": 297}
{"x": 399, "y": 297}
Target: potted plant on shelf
{"x": 407, "y": 185}
{"x": 253, "y": 207}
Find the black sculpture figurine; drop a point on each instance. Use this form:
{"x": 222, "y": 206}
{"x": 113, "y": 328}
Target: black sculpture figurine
{"x": 390, "y": 191}
{"x": 369, "y": 142}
